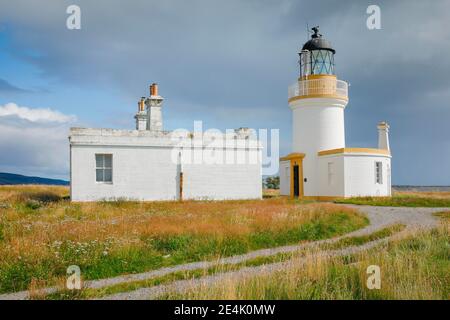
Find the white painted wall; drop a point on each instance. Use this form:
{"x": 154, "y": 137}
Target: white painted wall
{"x": 222, "y": 182}
{"x": 139, "y": 173}
{"x": 331, "y": 185}
{"x": 143, "y": 169}
{"x": 318, "y": 124}
{"x": 285, "y": 178}
{"x": 354, "y": 175}
{"x": 360, "y": 175}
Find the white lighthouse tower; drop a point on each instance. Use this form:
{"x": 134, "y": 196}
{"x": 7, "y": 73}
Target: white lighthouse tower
{"x": 320, "y": 165}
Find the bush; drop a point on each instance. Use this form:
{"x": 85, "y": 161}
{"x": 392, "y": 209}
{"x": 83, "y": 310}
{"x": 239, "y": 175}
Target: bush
{"x": 33, "y": 204}
{"x": 272, "y": 182}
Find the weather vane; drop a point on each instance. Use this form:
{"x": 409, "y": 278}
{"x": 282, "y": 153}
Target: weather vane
{"x": 316, "y": 32}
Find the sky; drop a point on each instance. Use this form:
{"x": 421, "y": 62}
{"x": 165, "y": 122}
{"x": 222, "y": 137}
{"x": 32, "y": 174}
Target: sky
{"x": 227, "y": 63}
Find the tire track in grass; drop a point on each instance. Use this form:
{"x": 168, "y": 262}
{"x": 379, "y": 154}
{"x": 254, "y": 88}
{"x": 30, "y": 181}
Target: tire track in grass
{"x": 379, "y": 218}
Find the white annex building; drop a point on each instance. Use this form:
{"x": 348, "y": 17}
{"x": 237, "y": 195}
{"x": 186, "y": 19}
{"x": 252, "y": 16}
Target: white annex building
{"x": 151, "y": 164}
{"x": 320, "y": 165}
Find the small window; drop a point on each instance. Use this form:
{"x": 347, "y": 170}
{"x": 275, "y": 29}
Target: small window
{"x": 103, "y": 168}
{"x": 330, "y": 173}
{"x": 379, "y": 172}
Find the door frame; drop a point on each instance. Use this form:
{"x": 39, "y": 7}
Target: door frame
{"x": 296, "y": 180}
{"x": 296, "y": 159}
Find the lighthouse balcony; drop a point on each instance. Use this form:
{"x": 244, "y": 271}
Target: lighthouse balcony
{"x": 321, "y": 87}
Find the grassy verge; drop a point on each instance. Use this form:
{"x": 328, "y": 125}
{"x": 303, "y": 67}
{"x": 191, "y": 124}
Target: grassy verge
{"x": 415, "y": 266}
{"x": 342, "y": 243}
{"x": 400, "y": 200}
{"x": 443, "y": 215}
{"x": 360, "y": 240}
{"x": 42, "y": 233}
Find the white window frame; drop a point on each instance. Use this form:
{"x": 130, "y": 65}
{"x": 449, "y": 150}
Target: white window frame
{"x": 103, "y": 168}
{"x": 330, "y": 167}
{"x": 378, "y": 172}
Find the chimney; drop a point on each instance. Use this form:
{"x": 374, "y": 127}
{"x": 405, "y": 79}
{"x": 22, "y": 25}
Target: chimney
{"x": 141, "y": 116}
{"x": 383, "y": 136}
{"x": 141, "y": 104}
{"x": 154, "y": 89}
{"x": 154, "y": 109}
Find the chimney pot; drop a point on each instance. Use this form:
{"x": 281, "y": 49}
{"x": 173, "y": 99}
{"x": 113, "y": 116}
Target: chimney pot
{"x": 141, "y": 104}
{"x": 154, "y": 89}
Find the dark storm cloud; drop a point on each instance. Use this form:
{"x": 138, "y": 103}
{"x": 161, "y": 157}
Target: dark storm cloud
{"x": 229, "y": 63}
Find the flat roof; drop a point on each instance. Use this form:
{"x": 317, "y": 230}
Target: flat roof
{"x": 371, "y": 151}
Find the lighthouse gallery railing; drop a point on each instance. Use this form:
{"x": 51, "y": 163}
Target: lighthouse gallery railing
{"x": 316, "y": 87}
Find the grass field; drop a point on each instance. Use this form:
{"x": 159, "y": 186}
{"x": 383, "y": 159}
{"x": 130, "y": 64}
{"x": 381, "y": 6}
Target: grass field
{"x": 90, "y": 293}
{"x": 414, "y": 266}
{"x": 404, "y": 199}
{"x": 42, "y": 232}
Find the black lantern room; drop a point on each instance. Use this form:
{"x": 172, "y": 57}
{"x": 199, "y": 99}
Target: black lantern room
{"x": 317, "y": 56}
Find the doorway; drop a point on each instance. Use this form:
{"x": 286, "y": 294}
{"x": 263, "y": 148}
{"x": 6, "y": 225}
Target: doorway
{"x": 296, "y": 181}
{"x": 297, "y": 175}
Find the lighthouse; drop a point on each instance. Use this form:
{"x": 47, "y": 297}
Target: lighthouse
{"x": 320, "y": 165}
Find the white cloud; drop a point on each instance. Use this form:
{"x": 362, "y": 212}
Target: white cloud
{"x": 33, "y": 141}
{"x": 35, "y": 114}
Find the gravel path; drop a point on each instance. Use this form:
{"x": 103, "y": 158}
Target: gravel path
{"x": 379, "y": 217}
{"x": 411, "y": 217}
{"x": 180, "y": 286}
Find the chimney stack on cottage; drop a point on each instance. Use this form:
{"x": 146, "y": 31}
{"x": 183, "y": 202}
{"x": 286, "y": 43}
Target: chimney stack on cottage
{"x": 141, "y": 116}
{"x": 154, "y": 109}
{"x": 149, "y": 115}
{"x": 383, "y": 136}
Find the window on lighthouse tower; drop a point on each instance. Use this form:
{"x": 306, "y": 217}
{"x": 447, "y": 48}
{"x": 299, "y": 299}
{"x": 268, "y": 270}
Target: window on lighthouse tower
{"x": 330, "y": 173}
{"x": 379, "y": 172}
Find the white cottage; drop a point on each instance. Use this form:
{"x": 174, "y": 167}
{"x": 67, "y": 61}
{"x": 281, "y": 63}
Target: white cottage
{"x": 320, "y": 165}
{"x": 151, "y": 164}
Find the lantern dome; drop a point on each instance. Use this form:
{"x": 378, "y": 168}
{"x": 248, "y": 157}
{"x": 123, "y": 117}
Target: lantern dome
{"x": 317, "y": 56}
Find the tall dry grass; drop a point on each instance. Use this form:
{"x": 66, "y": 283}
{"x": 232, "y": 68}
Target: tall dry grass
{"x": 42, "y": 232}
{"x": 63, "y": 220}
{"x": 12, "y": 194}
{"x": 414, "y": 265}
{"x": 426, "y": 194}
{"x": 404, "y": 199}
